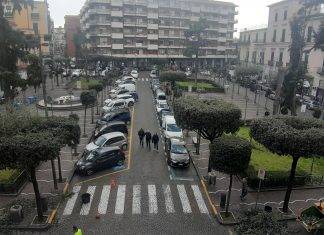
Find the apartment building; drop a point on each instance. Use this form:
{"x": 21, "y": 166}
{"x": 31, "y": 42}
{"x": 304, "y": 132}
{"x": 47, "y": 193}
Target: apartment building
{"x": 269, "y": 46}
{"x": 153, "y": 29}
{"x": 72, "y": 27}
{"x": 31, "y": 21}
{"x": 58, "y": 42}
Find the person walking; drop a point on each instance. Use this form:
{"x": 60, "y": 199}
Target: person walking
{"x": 77, "y": 231}
{"x": 141, "y": 135}
{"x": 148, "y": 139}
{"x": 155, "y": 141}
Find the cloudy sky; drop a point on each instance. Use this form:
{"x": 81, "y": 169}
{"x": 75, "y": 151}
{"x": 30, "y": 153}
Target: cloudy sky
{"x": 251, "y": 12}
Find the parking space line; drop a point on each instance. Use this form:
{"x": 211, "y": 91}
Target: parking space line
{"x": 103, "y": 204}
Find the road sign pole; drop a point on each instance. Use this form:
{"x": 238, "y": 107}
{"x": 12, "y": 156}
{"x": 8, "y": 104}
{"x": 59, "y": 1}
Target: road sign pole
{"x": 259, "y": 189}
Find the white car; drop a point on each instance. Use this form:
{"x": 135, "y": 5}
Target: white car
{"x": 153, "y": 74}
{"x": 134, "y": 74}
{"x": 65, "y": 99}
{"x": 161, "y": 105}
{"x": 114, "y": 105}
{"x": 76, "y": 72}
{"x": 123, "y": 79}
{"x": 170, "y": 128}
{"x": 108, "y": 140}
{"x": 127, "y": 97}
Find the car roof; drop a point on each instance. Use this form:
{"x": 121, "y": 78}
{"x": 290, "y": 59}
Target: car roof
{"x": 118, "y": 100}
{"x": 169, "y": 119}
{"x": 124, "y": 95}
{"x": 177, "y": 141}
{"x": 113, "y": 134}
{"x": 103, "y": 150}
{"x": 113, "y": 123}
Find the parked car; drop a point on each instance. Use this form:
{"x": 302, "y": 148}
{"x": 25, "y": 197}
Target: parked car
{"x": 76, "y": 73}
{"x": 115, "y": 92}
{"x": 100, "y": 159}
{"x": 170, "y": 128}
{"x": 177, "y": 153}
{"x": 115, "y": 126}
{"x": 311, "y": 104}
{"x": 160, "y": 96}
{"x": 120, "y": 115}
{"x": 134, "y": 95}
{"x": 163, "y": 113}
{"x": 65, "y": 99}
{"x": 134, "y": 74}
{"x": 128, "y": 87}
{"x": 108, "y": 140}
{"x": 161, "y": 105}
{"x": 115, "y": 105}
{"x": 153, "y": 74}
{"x": 127, "y": 97}
{"x": 125, "y": 78}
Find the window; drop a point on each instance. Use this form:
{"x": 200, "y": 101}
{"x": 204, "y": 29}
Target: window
{"x": 265, "y": 37}
{"x": 285, "y": 14}
{"x": 249, "y": 38}
{"x": 272, "y": 56}
{"x": 35, "y": 28}
{"x": 276, "y": 17}
{"x": 34, "y": 16}
{"x": 247, "y": 56}
{"x": 274, "y": 38}
{"x": 309, "y": 33}
{"x": 281, "y": 56}
{"x": 283, "y": 35}
{"x": 306, "y": 58}
{"x": 256, "y": 37}
{"x": 261, "y": 61}
{"x": 254, "y": 57}
{"x": 244, "y": 38}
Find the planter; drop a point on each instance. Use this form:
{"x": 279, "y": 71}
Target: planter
{"x": 14, "y": 186}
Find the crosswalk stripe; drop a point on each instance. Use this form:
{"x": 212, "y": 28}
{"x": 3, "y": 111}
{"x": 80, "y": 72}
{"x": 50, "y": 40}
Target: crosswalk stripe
{"x": 184, "y": 199}
{"x": 168, "y": 199}
{"x": 147, "y": 79}
{"x": 153, "y": 207}
{"x": 71, "y": 202}
{"x": 136, "y": 208}
{"x": 200, "y": 201}
{"x": 120, "y": 201}
{"x": 85, "y": 209}
{"x": 103, "y": 204}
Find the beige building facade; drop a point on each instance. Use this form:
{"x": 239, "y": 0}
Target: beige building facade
{"x": 275, "y": 48}
{"x": 153, "y": 29}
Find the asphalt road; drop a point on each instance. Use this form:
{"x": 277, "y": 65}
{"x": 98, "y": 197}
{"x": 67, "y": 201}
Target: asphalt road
{"x": 144, "y": 197}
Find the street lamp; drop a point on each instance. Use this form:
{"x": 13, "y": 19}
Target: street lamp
{"x": 71, "y": 93}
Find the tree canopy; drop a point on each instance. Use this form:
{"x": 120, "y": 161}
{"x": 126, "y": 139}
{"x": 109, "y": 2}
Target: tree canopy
{"x": 211, "y": 118}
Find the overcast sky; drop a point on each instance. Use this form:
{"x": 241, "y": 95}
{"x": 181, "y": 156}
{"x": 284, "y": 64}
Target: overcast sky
{"x": 251, "y": 12}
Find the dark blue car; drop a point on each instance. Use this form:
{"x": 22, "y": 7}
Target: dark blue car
{"x": 123, "y": 116}
{"x": 134, "y": 95}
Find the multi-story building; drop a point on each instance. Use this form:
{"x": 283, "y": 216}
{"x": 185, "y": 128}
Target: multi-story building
{"x": 59, "y": 42}
{"x": 31, "y": 21}
{"x": 152, "y": 29}
{"x": 72, "y": 27}
{"x": 269, "y": 46}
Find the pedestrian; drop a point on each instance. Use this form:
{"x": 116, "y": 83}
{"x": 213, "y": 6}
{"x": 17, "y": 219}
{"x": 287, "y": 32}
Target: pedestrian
{"x": 244, "y": 191}
{"x": 148, "y": 139}
{"x": 141, "y": 135}
{"x": 77, "y": 231}
{"x": 155, "y": 141}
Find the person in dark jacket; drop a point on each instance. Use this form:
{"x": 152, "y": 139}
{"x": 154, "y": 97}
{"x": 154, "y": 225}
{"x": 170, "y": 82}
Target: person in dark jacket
{"x": 148, "y": 139}
{"x": 155, "y": 141}
{"x": 141, "y": 135}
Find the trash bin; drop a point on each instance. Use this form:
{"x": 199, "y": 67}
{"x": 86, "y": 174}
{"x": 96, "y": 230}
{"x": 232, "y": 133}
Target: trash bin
{"x": 222, "y": 200}
{"x": 212, "y": 178}
{"x": 44, "y": 204}
{"x": 16, "y": 213}
{"x": 85, "y": 198}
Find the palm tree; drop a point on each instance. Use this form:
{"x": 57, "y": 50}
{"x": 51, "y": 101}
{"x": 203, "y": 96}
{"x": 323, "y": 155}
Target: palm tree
{"x": 87, "y": 98}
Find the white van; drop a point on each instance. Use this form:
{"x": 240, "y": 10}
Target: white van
{"x": 170, "y": 128}
{"x": 160, "y": 97}
{"x": 128, "y": 87}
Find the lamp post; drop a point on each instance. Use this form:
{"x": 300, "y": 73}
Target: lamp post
{"x": 71, "y": 93}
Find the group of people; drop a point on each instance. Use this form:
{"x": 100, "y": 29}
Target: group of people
{"x": 148, "y": 138}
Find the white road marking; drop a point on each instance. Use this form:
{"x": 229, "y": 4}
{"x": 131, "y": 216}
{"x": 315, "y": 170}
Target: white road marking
{"x": 71, "y": 202}
{"x": 184, "y": 199}
{"x": 120, "y": 201}
{"x": 153, "y": 207}
{"x": 85, "y": 209}
{"x": 103, "y": 204}
{"x": 169, "y": 206}
{"x": 136, "y": 208}
{"x": 147, "y": 79}
{"x": 200, "y": 201}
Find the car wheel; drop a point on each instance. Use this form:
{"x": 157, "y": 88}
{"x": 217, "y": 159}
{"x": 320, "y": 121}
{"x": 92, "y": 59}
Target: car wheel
{"x": 131, "y": 104}
{"x": 120, "y": 163}
{"x": 124, "y": 147}
{"x": 89, "y": 172}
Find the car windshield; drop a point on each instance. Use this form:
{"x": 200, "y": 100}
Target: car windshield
{"x": 178, "y": 149}
{"x": 91, "y": 156}
{"x": 100, "y": 141}
{"x": 162, "y": 97}
{"x": 163, "y": 106}
{"x": 173, "y": 128}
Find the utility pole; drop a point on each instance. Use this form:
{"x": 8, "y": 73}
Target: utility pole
{"x": 43, "y": 77}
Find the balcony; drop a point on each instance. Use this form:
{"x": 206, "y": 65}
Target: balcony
{"x": 152, "y": 47}
{"x": 221, "y": 39}
{"x": 116, "y": 3}
{"x": 152, "y": 26}
{"x": 222, "y": 30}
{"x": 153, "y": 6}
{"x": 117, "y": 24}
{"x": 117, "y": 35}
{"x": 116, "y": 14}
{"x": 221, "y": 48}
{"x": 194, "y": 18}
{"x": 152, "y": 36}
{"x": 151, "y": 15}
{"x": 116, "y": 46}
{"x": 223, "y": 21}
{"x": 95, "y": 11}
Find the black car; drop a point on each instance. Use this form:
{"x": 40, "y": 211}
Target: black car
{"x": 121, "y": 115}
{"x": 134, "y": 95}
{"x": 100, "y": 159}
{"x": 115, "y": 126}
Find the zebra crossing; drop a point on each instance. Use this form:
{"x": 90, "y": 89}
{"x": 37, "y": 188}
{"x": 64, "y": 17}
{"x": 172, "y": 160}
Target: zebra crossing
{"x": 144, "y": 199}
{"x": 143, "y": 79}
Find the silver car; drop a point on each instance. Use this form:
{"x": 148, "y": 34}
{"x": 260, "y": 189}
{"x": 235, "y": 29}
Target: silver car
{"x": 108, "y": 140}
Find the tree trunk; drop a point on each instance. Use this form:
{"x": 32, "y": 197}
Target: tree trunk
{"x": 92, "y": 114}
{"x": 290, "y": 183}
{"x": 52, "y": 81}
{"x": 84, "y": 121}
{"x": 54, "y": 174}
{"x": 229, "y": 195}
{"x": 102, "y": 98}
{"x": 44, "y": 94}
{"x": 37, "y": 194}
{"x": 57, "y": 80}
{"x": 198, "y": 143}
{"x": 196, "y": 76}
{"x": 97, "y": 106}
{"x": 293, "y": 105}
{"x": 59, "y": 169}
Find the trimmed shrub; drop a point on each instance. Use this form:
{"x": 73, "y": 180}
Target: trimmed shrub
{"x": 317, "y": 113}
{"x": 171, "y": 76}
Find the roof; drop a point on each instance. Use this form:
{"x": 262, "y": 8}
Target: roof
{"x": 170, "y": 119}
{"x": 113, "y": 134}
{"x": 177, "y": 141}
{"x": 279, "y": 3}
{"x": 112, "y": 124}
{"x": 102, "y": 150}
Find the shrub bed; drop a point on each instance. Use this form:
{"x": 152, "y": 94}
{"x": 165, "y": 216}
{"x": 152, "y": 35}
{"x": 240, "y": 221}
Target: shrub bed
{"x": 202, "y": 86}
{"x": 12, "y": 180}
